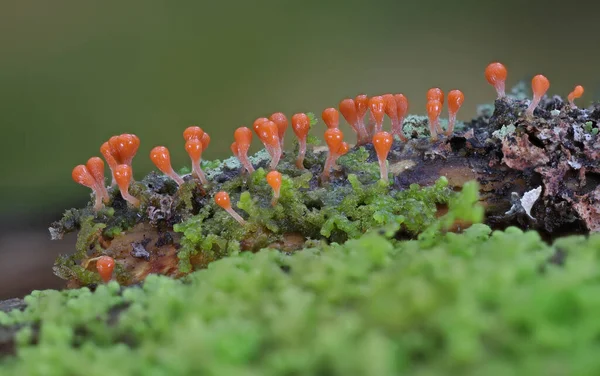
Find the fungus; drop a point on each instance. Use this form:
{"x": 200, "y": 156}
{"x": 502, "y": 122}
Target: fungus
{"x": 119, "y": 150}
{"x": 301, "y": 126}
{"x": 282, "y": 123}
{"x": 194, "y": 148}
{"x": 495, "y": 74}
{"x": 349, "y": 111}
{"x": 274, "y": 180}
{"x": 243, "y": 139}
{"x": 402, "y": 108}
{"x": 82, "y": 175}
{"x": 382, "y": 142}
{"x": 110, "y": 160}
{"x": 123, "y": 176}
{"x": 455, "y": 101}
{"x": 222, "y": 199}
{"x": 377, "y": 107}
{"x": 361, "y": 102}
{"x": 105, "y": 266}
{"x": 95, "y": 166}
{"x": 434, "y": 109}
{"x": 257, "y": 123}
{"x": 269, "y": 135}
{"x": 162, "y": 160}
{"x": 391, "y": 109}
{"x": 193, "y": 132}
{"x": 337, "y": 147}
{"x": 436, "y": 94}
{"x": 331, "y": 117}
{"x": 576, "y": 93}
{"x": 539, "y": 86}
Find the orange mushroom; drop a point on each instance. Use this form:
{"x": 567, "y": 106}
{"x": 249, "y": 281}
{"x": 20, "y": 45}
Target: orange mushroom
{"x": 194, "y": 149}
{"x": 257, "y": 123}
{"x": 269, "y": 135}
{"x": 377, "y": 108}
{"x": 436, "y": 94}
{"x": 331, "y": 117}
{"x": 282, "y": 123}
{"x": 576, "y": 93}
{"x": 539, "y": 85}
{"x": 161, "y": 158}
{"x": 337, "y": 147}
{"x": 434, "y": 109}
{"x": 193, "y": 132}
{"x": 348, "y": 109}
{"x": 243, "y": 139}
{"x": 81, "y": 175}
{"x": 105, "y": 266}
{"x": 95, "y": 166}
{"x": 455, "y": 101}
{"x": 301, "y": 126}
{"x": 382, "y": 142}
{"x": 123, "y": 176}
{"x": 274, "y": 180}
{"x": 222, "y": 199}
{"x": 495, "y": 74}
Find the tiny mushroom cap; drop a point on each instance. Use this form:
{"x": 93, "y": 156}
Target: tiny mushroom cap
{"x": 576, "y": 93}
{"x": 435, "y": 94}
{"x": 205, "y": 141}
{"x": 539, "y": 85}
{"x": 434, "y": 109}
{"x": 268, "y": 133}
{"x": 282, "y": 123}
{"x": 128, "y": 145}
{"x": 377, "y": 107}
{"x": 257, "y": 123}
{"x": 161, "y": 158}
{"x": 234, "y": 149}
{"x": 382, "y": 142}
{"x": 243, "y": 137}
{"x": 348, "y": 110}
{"x": 334, "y": 138}
{"x": 193, "y": 132}
{"x": 401, "y": 104}
{"x": 105, "y": 266}
{"x": 95, "y": 166}
{"x": 222, "y": 199}
{"x": 300, "y": 125}
{"x": 362, "y": 105}
{"x": 274, "y": 180}
{"x": 455, "y": 101}
{"x": 496, "y": 74}
{"x": 194, "y": 149}
{"x": 106, "y": 152}
{"x": 123, "y": 176}
{"x": 331, "y": 117}
{"x": 391, "y": 108}
{"x": 81, "y": 175}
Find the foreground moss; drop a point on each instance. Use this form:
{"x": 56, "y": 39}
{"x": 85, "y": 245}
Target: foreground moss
{"x": 480, "y": 302}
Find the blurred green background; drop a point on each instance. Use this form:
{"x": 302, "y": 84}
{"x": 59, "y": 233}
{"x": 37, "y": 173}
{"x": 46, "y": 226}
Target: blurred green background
{"x": 74, "y": 73}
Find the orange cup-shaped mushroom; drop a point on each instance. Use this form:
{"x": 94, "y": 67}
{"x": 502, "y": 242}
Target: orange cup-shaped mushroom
{"x": 81, "y": 175}
{"x": 269, "y": 135}
{"x": 281, "y": 121}
{"x": 194, "y": 149}
{"x": 161, "y": 158}
{"x": 274, "y": 180}
{"x": 382, "y": 142}
{"x": 539, "y": 85}
{"x": 123, "y": 176}
{"x": 95, "y": 166}
{"x": 402, "y": 108}
{"x": 334, "y": 138}
{"x": 349, "y": 112}
{"x": 377, "y": 108}
{"x": 193, "y": 132}
{"x": 496, "y": 74}
{"x": 301, "y": 126}
{"x": 222, "y": 199}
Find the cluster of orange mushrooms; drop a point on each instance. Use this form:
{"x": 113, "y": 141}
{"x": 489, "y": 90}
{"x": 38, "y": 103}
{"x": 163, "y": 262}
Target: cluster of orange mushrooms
{"x": 119, "y": 151}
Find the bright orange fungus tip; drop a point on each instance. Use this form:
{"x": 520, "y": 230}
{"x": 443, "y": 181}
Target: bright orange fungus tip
{"x": 331, "y": 117}
{"x": 576, "y": 93}
{"x": 222, "y": 199}
{"x": 123, "y": 176}
{"x": 105, "y": 266}
{"x": 382, "y": 142}
{"x": 300, "y": 125}
{"x": 234, "y": 149}
{"x": 274, "y": 180}
{"x": 194, "y": 149}
{"x": 193, "y": 132}
{"x": 362, "y": 105}
{"x": 161, "y": 158}
{"x": 282, "y": 123}
{"x": 348, "y": 110}
{"x": 455, "y": 100}
{"x": 243, "y": 136}
{"x": 495, "y": 72}
{"x": 377, "y": 107}
{"x": 82, "y": 176}
{"x": 257, "y": 123}
{"x": 268, "y": 133}
{"x": 333, "y": 138}
{"x": 540, "y": 85}
{"x": 435, "y": 94}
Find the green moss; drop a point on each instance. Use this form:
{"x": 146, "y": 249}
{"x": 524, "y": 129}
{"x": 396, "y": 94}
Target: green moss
{"x": 480, "y": 302}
